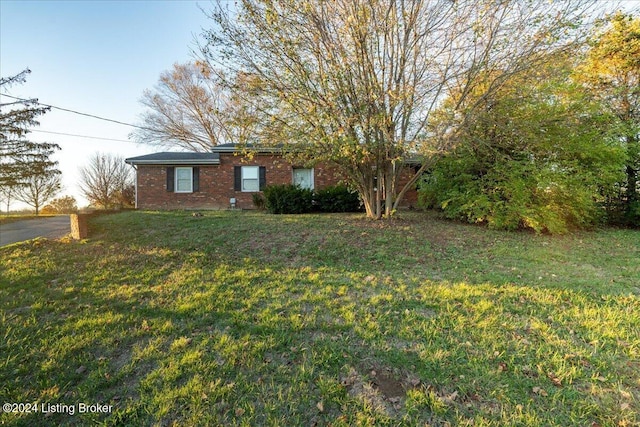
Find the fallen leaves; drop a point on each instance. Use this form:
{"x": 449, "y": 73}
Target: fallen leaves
{"x": 554, "y": 379}
{"x": 600, "y": 378}
{"x": 540, "y": 391}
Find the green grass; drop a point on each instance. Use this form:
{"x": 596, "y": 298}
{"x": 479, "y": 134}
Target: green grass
{"x": 240, "y": 318}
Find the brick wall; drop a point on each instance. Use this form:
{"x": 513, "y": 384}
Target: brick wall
{"x": 216, "y": 183}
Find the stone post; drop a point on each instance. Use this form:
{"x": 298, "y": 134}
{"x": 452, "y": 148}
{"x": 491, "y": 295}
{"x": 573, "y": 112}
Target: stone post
{"x": 78, "y": 226}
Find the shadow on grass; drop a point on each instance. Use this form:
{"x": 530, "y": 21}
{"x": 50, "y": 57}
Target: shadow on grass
{"x": 246, "y": 318}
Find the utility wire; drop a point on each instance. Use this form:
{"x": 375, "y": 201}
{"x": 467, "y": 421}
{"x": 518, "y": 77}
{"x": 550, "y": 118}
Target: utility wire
{"x": 79, "y": 136}
{"x": 77, "y": 112}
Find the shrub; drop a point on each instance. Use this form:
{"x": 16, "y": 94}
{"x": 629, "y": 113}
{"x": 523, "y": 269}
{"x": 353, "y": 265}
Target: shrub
{"x": 288, "y": 199}
{"x": 539, "y": 155}
{"x": 338, "y": 198}
{"x": 515, "y": 194}
{"x": 258, "y": 201}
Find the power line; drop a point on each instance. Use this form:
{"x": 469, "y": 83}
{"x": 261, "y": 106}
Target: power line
{"x": 79, "y": 136}
{"x": 77, "y": 112}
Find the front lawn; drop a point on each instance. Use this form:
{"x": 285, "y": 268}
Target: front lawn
{"x": 237, "y": 318}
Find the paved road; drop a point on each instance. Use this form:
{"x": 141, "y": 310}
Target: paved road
{"x": 18, "y": 231}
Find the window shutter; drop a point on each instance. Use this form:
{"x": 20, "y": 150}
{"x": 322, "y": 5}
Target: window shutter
{"x": 196, "y": 179}
{"x": 171, "y": 171}
{"x": 237, "y": 178}
{"x": 263, "y": 177}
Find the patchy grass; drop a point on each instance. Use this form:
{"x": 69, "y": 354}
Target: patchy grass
{"x": 239, "y": 318}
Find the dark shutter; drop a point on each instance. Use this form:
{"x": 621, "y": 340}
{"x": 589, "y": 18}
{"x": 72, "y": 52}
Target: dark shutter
{"x": 237, "y": 178}
{"x": 171, "y": 171}
{"x": 263, "y": 177}
{"x": 196, "y": 179}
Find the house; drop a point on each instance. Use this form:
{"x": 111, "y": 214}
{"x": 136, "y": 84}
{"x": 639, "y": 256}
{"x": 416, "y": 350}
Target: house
{"x": 222, "y": 178}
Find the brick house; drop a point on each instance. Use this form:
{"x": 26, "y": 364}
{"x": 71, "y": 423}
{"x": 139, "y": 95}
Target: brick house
{"x": 221, "y": 178}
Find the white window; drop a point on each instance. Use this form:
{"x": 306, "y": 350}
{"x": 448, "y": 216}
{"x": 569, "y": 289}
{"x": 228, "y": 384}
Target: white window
{"x": 250, "y": 178}
{"x": 184, "y": 180}
{"x": 303, "y": 178}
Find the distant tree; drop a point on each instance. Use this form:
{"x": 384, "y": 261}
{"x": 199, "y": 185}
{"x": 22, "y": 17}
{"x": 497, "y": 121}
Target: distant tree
{"x": 126, "y": 197}
{"x": 187, "y": 109}
{"x": 62, "y": 205}
{"x": 21, "y": 159}
{"x": 38, "y": 189}
{"x": 7, "y": 194}
{"x": 106, "y": 181}
{"x": 355, "y": 82}
{"x": 612, "y": 71}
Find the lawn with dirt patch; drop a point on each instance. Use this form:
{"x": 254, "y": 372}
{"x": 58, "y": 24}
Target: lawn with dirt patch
{"x": 243, "y": 318}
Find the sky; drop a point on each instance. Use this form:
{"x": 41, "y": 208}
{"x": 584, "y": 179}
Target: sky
{"x": 94, "y": 57}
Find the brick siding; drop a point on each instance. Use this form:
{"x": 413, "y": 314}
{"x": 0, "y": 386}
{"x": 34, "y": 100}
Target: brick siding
{"x": 217, "y": 183}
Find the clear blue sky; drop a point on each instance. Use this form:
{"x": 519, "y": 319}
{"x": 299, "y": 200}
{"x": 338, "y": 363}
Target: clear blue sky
{"x": 95, "y": 57}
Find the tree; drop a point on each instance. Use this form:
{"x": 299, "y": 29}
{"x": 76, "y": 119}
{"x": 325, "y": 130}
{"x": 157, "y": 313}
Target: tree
{"x": 187, "y": 109}
{"x": 20, "y": 159}
{"x": 38, "y": 189}
{"x": 106, "y": 180}
{"x": 7, "y": 194}
{"x": 62, "y": 205}
{"x": 612, "y": 71}
{"x": 355, "y": 82}
{"x": 540, "y": 154}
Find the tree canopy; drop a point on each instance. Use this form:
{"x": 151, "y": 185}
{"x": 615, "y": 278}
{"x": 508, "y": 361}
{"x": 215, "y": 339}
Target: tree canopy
{"x": 107, "y": 182}
{"x": 539, "y": 154}
{"x": 612, "y": 72}
{"x": 186, "y": 109}
{"x": 356, "y": 82}
{"x": 20, "y": 159}
{"x": 61, "y": 205}
{"x": 38, "y": 189}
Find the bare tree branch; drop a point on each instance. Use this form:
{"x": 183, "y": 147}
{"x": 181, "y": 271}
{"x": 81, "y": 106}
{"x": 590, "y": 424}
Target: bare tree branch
{"x": 105, "y": 179}
{"x": 187, "y": 109}
{"x": 357, "y": 82}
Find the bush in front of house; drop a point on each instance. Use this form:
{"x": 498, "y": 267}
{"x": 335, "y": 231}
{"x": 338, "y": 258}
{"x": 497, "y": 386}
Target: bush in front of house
{"x": 337, "y": 198}
{"x": 258, "y": 201}
{"x": 288, "y": 199}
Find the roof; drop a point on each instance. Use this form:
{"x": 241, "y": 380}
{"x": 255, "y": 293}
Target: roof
{"x": 236, "y": 148}
{"x": 175, "y": 158}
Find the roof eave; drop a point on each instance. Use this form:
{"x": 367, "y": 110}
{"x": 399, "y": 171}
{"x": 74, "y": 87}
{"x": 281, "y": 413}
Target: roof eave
{"x": 233, "y": 150}
{"x": 173, "y": 162}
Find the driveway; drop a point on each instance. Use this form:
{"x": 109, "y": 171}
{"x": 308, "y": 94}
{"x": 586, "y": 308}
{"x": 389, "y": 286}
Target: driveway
{"x": 18, "y": 231}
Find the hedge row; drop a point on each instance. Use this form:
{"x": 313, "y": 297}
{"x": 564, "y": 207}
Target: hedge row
{"x": 292, "y": 199}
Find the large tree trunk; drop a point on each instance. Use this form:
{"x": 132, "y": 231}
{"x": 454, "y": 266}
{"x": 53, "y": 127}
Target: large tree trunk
{"x": 378, "y": 190}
